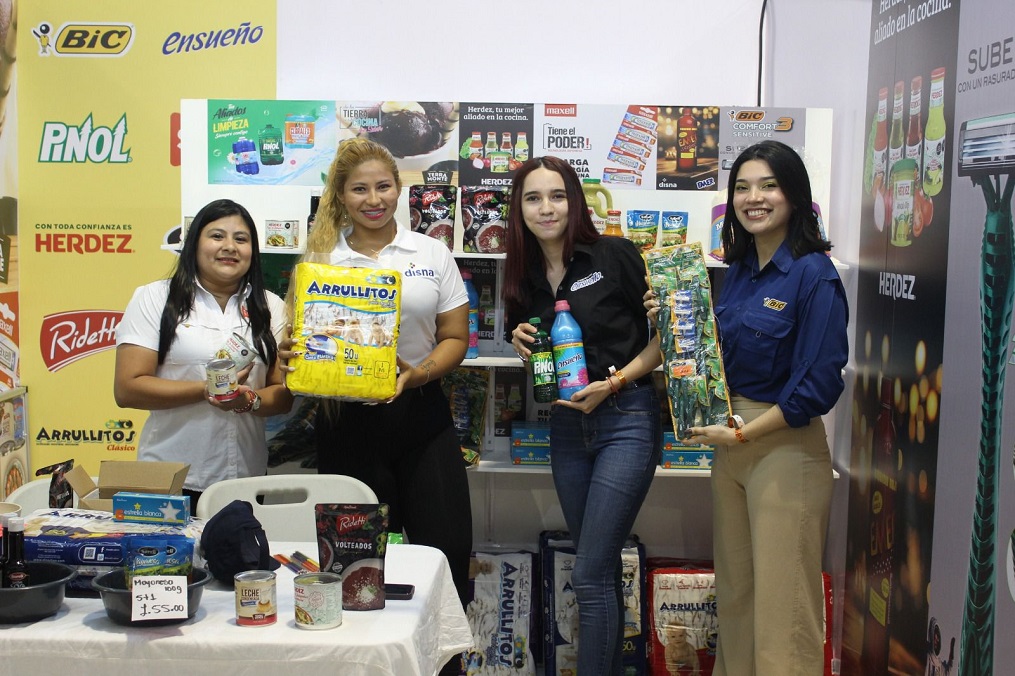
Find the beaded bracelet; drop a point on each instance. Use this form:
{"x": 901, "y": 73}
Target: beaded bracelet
{"x": 249, "y": 405}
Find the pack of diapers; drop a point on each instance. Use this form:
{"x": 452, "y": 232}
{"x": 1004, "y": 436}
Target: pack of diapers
{"x": 345, "y": 323}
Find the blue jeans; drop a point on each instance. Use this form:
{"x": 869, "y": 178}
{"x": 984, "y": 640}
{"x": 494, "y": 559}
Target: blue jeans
{"x": 603, "y": 463}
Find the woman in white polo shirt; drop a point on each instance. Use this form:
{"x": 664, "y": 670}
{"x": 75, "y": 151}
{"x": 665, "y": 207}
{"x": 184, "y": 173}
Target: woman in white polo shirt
{"x": 173, "y": 327}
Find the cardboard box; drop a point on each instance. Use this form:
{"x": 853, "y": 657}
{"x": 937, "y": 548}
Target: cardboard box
{"x": 165, "y": 478}
{"x": 677, "y": 455}
{"x": 530, "y": 443}
{"x": 151, "y": 508}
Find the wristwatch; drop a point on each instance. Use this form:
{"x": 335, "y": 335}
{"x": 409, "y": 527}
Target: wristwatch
{"x": 256, "y": 403}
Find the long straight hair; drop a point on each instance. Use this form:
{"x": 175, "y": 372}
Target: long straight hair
{"x": 183, "y": 284}
{"x": 803, "y": 234}
{"x": 523, "y": 250}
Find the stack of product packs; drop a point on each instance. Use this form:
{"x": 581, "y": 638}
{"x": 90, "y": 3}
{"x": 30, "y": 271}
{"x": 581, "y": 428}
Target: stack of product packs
{"x": 683, "y": 626}
{"x": 692, "y": 363}
{"x": 502, "y": 614}
{"x": 560, "y": 607}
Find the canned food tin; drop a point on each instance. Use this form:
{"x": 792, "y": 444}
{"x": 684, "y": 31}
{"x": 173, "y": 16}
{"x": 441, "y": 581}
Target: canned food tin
{"x": 222, "y": 379}
{"x": 239, "y": 350}
{"x": 318, "y": 600}
{"x": 255, "y": 598}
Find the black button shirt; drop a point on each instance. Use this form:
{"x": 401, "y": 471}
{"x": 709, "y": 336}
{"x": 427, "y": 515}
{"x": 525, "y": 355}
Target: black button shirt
{"x": 604, "y": 285}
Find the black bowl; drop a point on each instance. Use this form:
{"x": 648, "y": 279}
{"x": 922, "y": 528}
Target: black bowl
{"x": 39, "y": 600}
{"x": 112, "y": 588}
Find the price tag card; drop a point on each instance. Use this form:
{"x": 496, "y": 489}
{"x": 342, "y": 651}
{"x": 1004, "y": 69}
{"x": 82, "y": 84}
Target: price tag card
{"x": 158, "y": 597}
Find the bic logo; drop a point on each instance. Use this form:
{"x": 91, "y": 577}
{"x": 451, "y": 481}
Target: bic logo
{"x": 85, "y": 39}
{"x": 749, "y": 116}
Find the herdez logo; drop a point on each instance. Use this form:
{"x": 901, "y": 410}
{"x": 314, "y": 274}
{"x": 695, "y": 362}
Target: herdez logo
{"x": 85, "y": 38}
{"x": 63, "y": 142}
{"x": 68, "y": 336}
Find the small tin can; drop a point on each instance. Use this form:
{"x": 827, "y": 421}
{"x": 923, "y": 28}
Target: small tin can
{"x": 222, "y": 379}
{"x": 255, "y": 598}
{"x": 239, "y": 350}
{"x": 318, "y": 599}
{"x": 283, "y": 234}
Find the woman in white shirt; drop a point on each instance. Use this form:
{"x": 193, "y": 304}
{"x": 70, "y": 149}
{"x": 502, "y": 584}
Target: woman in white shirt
{"x": 173, "y": 327}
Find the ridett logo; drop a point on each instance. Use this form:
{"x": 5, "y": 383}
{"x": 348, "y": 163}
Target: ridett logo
{"x": 62, "y": 142}
{"x": 92, "y": 39}
{"x": 69, "y": 336}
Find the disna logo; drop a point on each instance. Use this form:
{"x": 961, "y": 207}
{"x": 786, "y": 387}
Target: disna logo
{"x": 94, "y": 39}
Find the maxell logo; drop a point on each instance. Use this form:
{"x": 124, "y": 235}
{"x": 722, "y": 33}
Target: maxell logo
{"x": 560, "y": 109}
{"x": 68, "y": 336}
{"x": 89, "y": 39}
{"x": 66, "y": 143}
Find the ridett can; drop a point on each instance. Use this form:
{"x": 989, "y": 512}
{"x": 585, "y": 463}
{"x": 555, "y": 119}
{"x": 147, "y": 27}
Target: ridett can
{"x": 222, "y": 381}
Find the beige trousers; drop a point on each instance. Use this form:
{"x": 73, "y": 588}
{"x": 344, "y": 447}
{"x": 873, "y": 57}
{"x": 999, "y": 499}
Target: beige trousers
{"x": 771, "y": 501}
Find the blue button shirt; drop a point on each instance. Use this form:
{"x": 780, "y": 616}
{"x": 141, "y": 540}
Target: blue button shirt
{"x": 783, "y": 332}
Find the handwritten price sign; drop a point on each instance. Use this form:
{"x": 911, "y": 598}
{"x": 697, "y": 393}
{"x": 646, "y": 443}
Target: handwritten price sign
{"x": 158, "y": 597}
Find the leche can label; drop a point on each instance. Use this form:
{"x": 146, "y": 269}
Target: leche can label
{"x": 239, "y": 350}
{"x": 318, "y": 600}
{"x": 255, "y": 598}
{"x": 222, "y": 382}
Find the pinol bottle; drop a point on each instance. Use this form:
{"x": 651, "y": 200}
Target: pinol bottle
{"x": 470, "y": 290}
{"x": 544, "y": 380}
{"x": 568, "y": 352}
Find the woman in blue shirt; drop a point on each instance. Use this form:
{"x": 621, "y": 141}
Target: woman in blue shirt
{"x": 782, "y": 317}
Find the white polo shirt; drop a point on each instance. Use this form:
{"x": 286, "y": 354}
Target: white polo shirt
{"x": 431, "y": 284}
{"x": 217, "y": 444}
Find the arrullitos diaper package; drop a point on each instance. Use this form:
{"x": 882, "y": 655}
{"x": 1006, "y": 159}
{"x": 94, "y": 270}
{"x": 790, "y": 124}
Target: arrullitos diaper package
{"x": 345, "y": 323}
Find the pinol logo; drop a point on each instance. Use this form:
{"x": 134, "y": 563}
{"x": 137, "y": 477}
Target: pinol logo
{"x": 85, "y": 38}
{"x": 62, "y": 142}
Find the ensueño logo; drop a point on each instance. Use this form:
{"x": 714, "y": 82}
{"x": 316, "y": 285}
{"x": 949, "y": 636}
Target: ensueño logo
{"x": 66, "y": 337}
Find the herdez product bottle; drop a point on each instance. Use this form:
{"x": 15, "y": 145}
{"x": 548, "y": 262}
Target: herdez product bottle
{"x": 568, "y": 352}
{"x": 544, "y": 377}
{"x": 880, "y": 577}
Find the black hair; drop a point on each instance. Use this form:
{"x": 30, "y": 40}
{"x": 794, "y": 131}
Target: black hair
{"x": 803, "y": 234}
{"x": 183, "y": 284}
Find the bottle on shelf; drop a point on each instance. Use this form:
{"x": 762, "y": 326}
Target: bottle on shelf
{"x": 15, "y": 572}
{"x": 881, "y": 506}
{"x": 934, "y": 136}
{"x": 470, "y": 290}
{"x": 4, "y": 547}
{"x": 499, "y": 401}
{"x": 487, "y": 312}
{"x": 896, "y": 140}
{"x": 613, "y": 228}
{"x": 544, "y": 379}
{"x": 687, "y": 141}
{"x": 514, "y": 400}
{"x": 568, "y": 352}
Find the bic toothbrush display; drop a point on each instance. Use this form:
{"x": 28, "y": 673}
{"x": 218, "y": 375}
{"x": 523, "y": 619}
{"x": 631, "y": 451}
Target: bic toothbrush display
{"x": 692, "y": 364}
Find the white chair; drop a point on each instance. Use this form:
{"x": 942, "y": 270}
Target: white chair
{"x": 35, "y": 495}
{"x": 284, "y": 503}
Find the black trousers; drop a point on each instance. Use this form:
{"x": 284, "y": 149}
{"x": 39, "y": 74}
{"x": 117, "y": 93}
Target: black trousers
{"x": 408, "y": 453}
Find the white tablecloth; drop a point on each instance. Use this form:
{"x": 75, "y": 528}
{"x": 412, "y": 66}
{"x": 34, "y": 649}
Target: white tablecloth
{"x": 406, "y": 638}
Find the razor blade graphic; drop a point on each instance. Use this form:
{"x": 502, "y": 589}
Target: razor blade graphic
{"x": 987, "y": 156}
